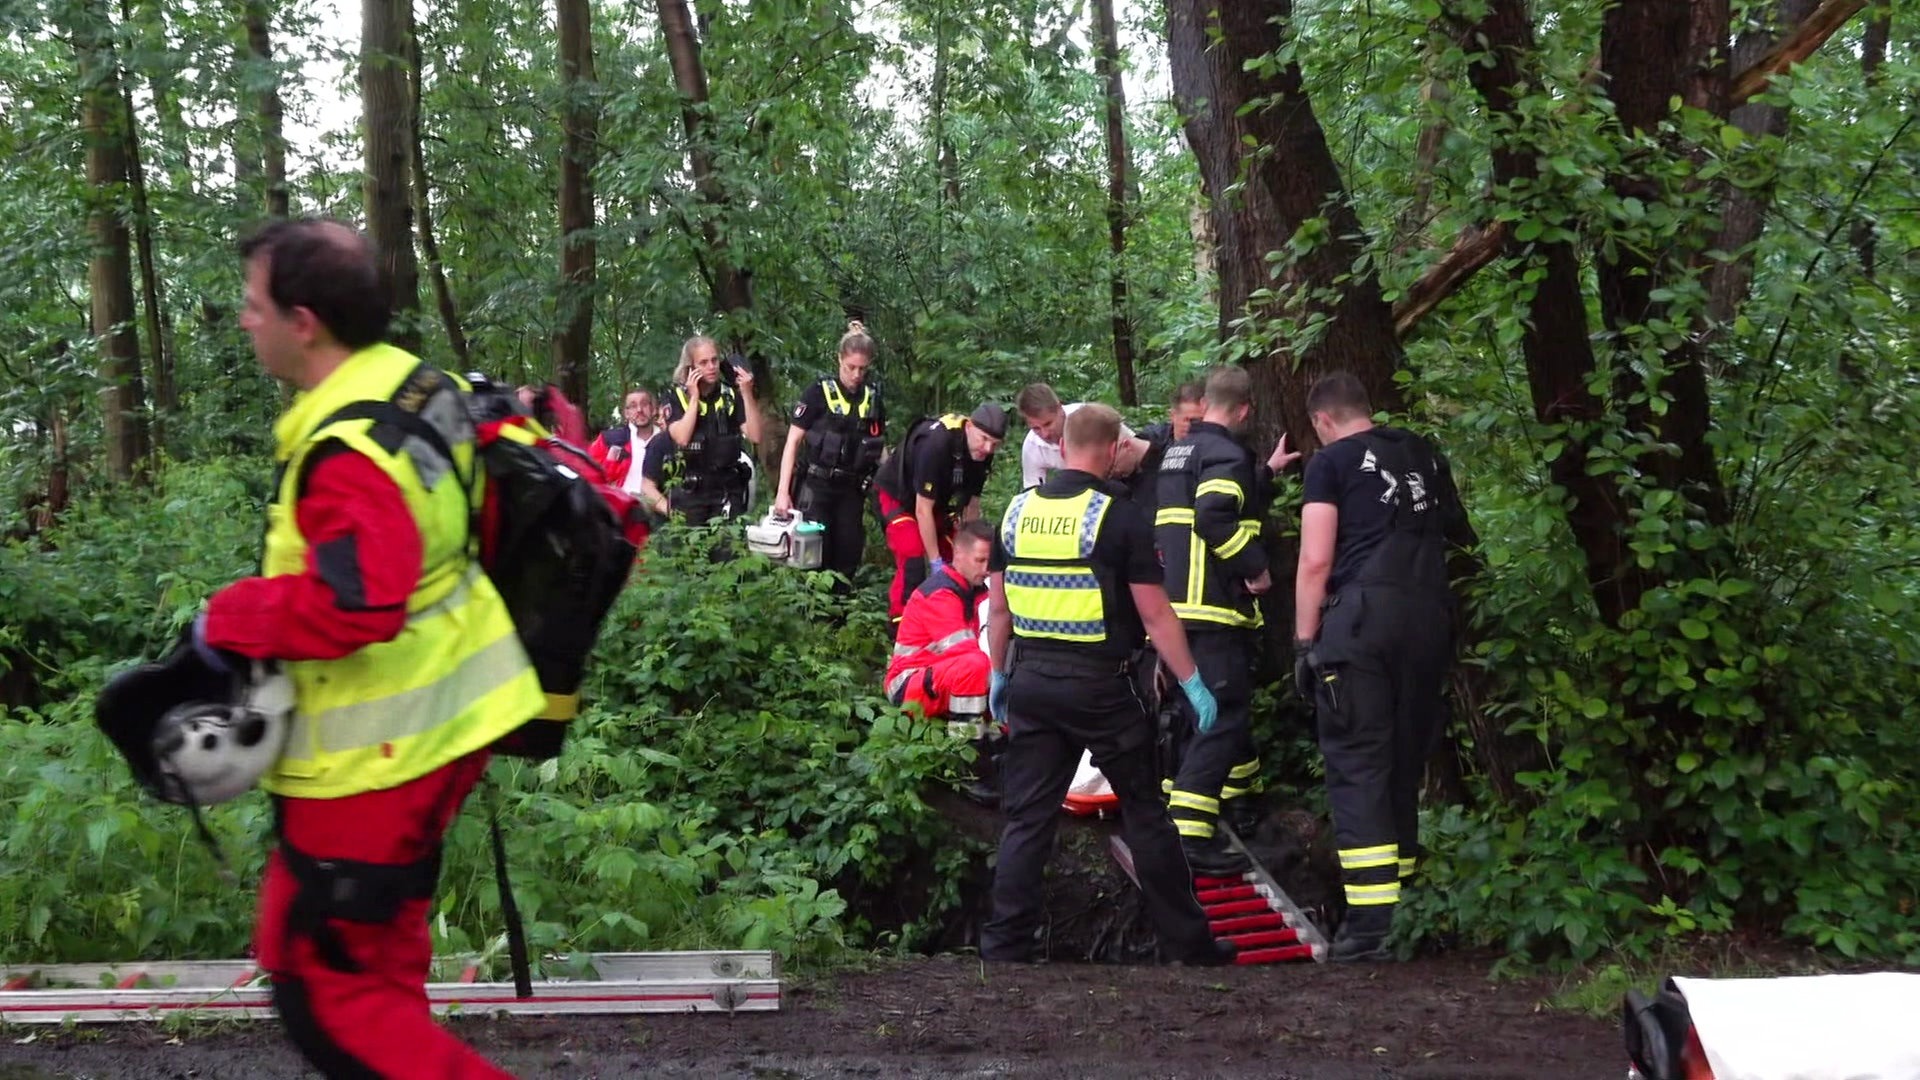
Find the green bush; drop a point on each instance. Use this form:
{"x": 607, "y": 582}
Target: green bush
{"x": 736, "y": 778}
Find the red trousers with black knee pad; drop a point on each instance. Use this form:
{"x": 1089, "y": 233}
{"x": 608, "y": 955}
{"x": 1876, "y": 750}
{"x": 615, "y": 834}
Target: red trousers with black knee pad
{"x": 910, "y": 562}
{"x": 374, "y": 1021}
{"x": 954, "y": 683}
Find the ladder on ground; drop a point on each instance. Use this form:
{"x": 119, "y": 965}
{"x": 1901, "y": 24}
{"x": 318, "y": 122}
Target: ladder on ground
{"x": 605, "y": 983}
{"x": 1250, "y": 910}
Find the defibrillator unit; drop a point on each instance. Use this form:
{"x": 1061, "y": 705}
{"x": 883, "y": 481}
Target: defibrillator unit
{"x": 799, "y": 543}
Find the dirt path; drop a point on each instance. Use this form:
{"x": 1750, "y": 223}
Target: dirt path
{"x": 950, "y": 1017}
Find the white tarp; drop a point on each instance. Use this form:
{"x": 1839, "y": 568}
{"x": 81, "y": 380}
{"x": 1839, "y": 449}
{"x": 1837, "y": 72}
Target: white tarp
{"x": 1089, "y": 782}
{"x": 1811, "y": 1027}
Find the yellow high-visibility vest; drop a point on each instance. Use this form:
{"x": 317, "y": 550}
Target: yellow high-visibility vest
{"x": 1052, "y": 590}
{"x": 456, "y": 677}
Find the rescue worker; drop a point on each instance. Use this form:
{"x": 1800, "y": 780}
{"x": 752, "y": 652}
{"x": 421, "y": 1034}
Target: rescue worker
{"x": 840, "y": 423}
{"x": 938, "y": 665}
{"x": 1075, "y": 588}
{"x": 1212, "y": 499}
{"x": 1045, "y": 418}
{"x": 405, "y": 664}
{"x": 930, "y": 483}
{"x": 1373, "y": 638}
{"x": 619, "y": 449}
{"x": 712, "y": 410}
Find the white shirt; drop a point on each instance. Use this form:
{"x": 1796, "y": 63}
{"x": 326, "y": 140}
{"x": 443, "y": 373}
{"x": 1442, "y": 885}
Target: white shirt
{"x": 1040, "y": 458}
{"x": 637, "y": 455}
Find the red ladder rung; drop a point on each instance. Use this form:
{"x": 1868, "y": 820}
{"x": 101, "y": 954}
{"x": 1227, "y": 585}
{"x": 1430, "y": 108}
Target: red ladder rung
{"x": 131, "y": 982}
{"x": 1237, "y": 907}
{"x": 470, "y": 973}
{"x": 245, "y": 977}
{"x": 1272, "y": 920}
{"x": 18, "y": 982}
{"x": 1264, "y": 937}
{"x": 1275, "y": 956}
{"x": 1217, "y": 882}
{"x": 1232, "y": 892}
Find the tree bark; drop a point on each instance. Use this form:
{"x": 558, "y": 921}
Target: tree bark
{"x": 159, "y": 340}
{"x": 1798, "y": 44}
{"x": 423, "y": 215}
{"x": 386, "y": 103}
{"x": 1119, "y": 213}
{"x": 273, "y": 140}
{"x": 730, "y": 290}
{"x": 110, "y": 273}
{"x": 1259, "y": 133}
{"x": 1873, "y": 54}
{"x": 573, "y": 340}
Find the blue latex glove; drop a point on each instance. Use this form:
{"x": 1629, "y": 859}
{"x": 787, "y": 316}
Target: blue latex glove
{"x": 936, "y": 566}
{"x": 210, "y": 656}
{"x": 997, "y": 696}
{"x": 1205, "y": 709}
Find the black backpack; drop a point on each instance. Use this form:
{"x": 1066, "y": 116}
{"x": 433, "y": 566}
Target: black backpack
{"x": 550, "y": 533}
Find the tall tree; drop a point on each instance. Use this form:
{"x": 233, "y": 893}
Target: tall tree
{"x": 1119, "y": 166}
{"x": 726, "y": 281}
{"x": 386, "y": 27}
{"x": 573, "y": 339}
{"x": 104, "y": 118}
{"x": 257, "y": 21}
{"x": 423, "y": 215}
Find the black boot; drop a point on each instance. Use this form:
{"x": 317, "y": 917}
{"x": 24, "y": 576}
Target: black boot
{"x": 984, "y": 788}
{"x": 1211, "y": 857}
{"x": 1363, "y": 936}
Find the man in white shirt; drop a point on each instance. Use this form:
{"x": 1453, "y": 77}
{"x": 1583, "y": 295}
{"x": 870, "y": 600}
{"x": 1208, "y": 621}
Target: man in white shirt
{"x": 1046, "y": 420}
{"x": 620, "y": 449}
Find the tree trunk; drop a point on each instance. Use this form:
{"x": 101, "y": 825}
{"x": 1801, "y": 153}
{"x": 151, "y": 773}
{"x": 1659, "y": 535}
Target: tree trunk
{"x": 110, "y": 274}
{"x": 158, "y": 340}
{"x": 1118, "y": 213}
{"x": 1873, "y": 54}
{"x": 731, "y": 292}
{"x": 273, "y": 140}
{"x": 423, "y": 214}
{"x": 1321, "y": 314}
{"x": 385, "y": 28}
{"x": 573, "y": 340}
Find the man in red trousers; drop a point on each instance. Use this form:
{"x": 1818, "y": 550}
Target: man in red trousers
{"x": 405, "y": 664}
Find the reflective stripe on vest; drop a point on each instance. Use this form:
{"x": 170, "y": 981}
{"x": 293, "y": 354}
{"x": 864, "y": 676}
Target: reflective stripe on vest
{"x": 838, "y": 404}
{"x": 1051, "y": 588}
{"x": 455, "y": 679}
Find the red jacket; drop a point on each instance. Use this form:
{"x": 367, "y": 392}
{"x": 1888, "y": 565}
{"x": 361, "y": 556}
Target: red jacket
{"x": 942, "y": 614}
{"x": 363, "y": 561}
{"x": 619, "y": 437}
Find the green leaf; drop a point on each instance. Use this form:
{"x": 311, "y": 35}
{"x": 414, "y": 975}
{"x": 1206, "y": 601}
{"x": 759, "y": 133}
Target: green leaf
{"x": 1694, "y": 630}
{"x": 1686, "y": 761}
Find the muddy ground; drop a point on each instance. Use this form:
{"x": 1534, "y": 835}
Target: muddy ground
{"x": 949, "y": 1016}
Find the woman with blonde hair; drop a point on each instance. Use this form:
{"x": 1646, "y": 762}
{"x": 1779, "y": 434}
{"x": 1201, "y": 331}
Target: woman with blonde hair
{"x": 712, "y": 410}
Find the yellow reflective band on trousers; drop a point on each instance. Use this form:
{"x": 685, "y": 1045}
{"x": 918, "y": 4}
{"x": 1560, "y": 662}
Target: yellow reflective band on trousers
{"x": 1373, "y": 895}
{"x": 455, "y": 679}
{"x": 1198, "y": 828}
{"x": 1406, "y": 868}
{"x": 1368, "y": 857}
{"x": 1187, "y": 800}
{"x": 1246, "y": 770}
{"x": 1051, "y": 588}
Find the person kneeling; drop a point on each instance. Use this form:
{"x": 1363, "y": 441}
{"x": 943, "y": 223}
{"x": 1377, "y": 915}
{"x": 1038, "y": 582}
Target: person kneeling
{"x": 938, "y": 665}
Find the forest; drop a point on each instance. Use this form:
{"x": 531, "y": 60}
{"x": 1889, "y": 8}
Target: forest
{"x": 1643, "y": 268}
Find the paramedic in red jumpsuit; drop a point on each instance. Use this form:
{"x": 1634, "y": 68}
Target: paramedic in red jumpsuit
{"x": 937, "y": 663}
{"x": 352, "y": 994}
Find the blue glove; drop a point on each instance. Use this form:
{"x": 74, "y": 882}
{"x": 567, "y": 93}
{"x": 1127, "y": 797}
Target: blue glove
{"x": 1205, "y": 709}
{"x": 997, "y": 696}
{"x": 210, "y": 656}
{"x": 938, "y": 564}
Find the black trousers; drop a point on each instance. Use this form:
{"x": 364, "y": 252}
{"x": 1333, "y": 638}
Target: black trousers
{"x": 1220, "y": 764}
{"x": 1057, "y": 709}
{"x": 843, "y": 512}
{"x": 1389, "y": 650}
{"x": 708, "y": 504}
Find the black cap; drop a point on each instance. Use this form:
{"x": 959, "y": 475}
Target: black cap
{"x": 991, "y": 419}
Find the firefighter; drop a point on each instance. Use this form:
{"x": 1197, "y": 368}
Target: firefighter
{"x": 938, "y": 666}
{"x": 926, "y": 486}
{"x": 841, "y": 423}
{"x": 621, "y": 449}
{"x": 712, "y": 410}
{"x": 1211, "y": 501}
{"x": 1373, "y": 638}
{"x": 1075, "y": 588}
{"x": 404, "y": 661}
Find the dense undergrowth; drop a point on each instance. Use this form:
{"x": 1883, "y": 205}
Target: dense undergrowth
{"x": 737, "y": 781}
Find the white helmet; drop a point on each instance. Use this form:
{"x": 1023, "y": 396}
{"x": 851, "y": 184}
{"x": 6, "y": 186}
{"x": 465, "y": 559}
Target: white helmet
{"x": 208, "y": 752}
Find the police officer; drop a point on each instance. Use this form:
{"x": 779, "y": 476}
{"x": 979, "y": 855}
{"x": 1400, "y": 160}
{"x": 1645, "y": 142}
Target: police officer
{"x": 712, "y": 410}
{"x": 1373, "y": 637}
{"x": 841, "y": 424}
{"x": 929, "y": 485}
{"x": 1212, "y": 498}
{"x": 1075, "y": 588}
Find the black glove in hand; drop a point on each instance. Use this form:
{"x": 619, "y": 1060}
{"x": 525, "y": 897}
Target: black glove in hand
{"x": 1306, "y": 672}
